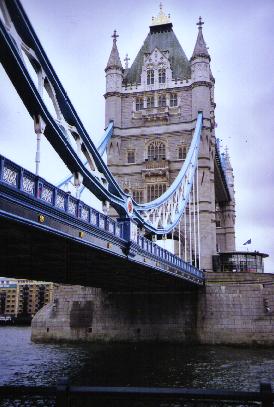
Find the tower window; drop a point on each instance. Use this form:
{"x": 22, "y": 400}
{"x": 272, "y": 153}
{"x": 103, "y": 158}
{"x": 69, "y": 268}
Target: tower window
{"x": 150, "y": 77}
{"x": 155, "y": 190}
{"x": 131, "y": 156}
{"x": 156, "y": 151}
{"x": 162, "y": 101}
{"x": 139, "y": 103}
{"x": 150, "y": 101}
{"x": 138, "y": 195}
{"x": 173, "y": 99}
{"x": 182, "y": 152}
{"x": 162, "y": 75}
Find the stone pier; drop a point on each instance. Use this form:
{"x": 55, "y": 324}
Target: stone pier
{"x": 232, "y": 308}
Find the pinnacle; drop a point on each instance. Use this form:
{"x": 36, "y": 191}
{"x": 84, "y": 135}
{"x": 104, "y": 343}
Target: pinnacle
{"x": 200, "y": 48}
{"x": 114, "y": 60}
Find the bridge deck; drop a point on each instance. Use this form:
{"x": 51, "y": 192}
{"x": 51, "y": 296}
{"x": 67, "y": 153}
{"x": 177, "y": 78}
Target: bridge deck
{"x": 76, "y": 244}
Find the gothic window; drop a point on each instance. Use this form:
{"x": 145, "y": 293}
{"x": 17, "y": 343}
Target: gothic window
{"x": 162, "y": 101}
{"x": 139, "y": 103}
{"x": 173, "y": 99}
{"x": 156, "y": 151}
{"x": 154, "y": 191}
{"x": 162, "y": 75}
{"x": 131, "y": 156}
{"x": 138, "y": 195}
{"x": 150, "y": 77}
{"x": 150, "y": 101}
{"x": 182, "y": 152}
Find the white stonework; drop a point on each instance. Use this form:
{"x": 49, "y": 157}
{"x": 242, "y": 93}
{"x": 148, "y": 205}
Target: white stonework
{"x": 157, "y": 115}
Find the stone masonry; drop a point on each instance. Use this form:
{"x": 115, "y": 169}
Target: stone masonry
{"x": 234, "y": 308}
{"x": 154, "y": 106}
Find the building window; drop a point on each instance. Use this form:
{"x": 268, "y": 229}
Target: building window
{"x": 138, "y": 195}
{"x": 182, "y": 152}
{"x": 150, "y": 77}
{"x": 162, "y": 75}
{"x": 131, "y": 156}
{"x": 162, "y": 101}
{"x": 139, "y": 103}
{"x": 156, "y": 151}
{"x": 155, "y": 190}
{"x": 150, "y": 101}
{"x": 173, "y": 99}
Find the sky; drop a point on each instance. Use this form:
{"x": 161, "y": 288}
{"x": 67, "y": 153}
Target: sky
{"x": 76, "y": 36}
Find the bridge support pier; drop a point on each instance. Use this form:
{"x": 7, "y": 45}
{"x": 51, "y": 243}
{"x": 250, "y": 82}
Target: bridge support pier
{"x": 91, "y": 314}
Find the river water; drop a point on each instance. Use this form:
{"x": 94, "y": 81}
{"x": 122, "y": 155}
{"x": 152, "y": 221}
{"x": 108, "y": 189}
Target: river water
{"x": 219, "y": 367}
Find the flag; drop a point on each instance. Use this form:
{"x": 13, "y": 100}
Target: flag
{"x": 247, "y": 242}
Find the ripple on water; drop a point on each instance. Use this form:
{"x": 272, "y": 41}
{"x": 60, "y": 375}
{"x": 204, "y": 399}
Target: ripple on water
{"x": 23, "y": 362}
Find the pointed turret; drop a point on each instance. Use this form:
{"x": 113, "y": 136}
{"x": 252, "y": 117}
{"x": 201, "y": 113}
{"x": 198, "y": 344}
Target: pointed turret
{"x": 201, "y": 76}
{"x": 200, "y": 49}
{"x": 114, "y": 77}
{"x": 114, "y": 61}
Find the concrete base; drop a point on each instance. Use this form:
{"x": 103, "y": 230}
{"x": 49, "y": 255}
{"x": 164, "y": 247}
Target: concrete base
{"x": 233, "y": 308}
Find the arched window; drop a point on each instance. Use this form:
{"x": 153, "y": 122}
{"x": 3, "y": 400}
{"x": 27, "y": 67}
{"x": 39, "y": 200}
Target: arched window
{"x": 156, "y": 151}
{"x": 150, "y": 77}
{"x": 162, "y": 101}
{"x": 150, "y": 102}
{"x": 139, "y": 103}
{"x": 138, "y": 195}
{"x": 131, "y": 156}
{"x": 173, "y": 99}
{"x": 154, "y": 191}
{"x": 182, "y": 152}
{"x": 162, "y": 75}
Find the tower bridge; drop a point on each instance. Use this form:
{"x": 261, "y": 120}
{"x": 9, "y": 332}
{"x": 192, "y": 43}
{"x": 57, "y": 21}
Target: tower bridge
{"x": 165, "y": 177}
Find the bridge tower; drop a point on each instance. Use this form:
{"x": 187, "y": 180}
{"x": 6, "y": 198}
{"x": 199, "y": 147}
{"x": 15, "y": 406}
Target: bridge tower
{"x": 154, "y": 105}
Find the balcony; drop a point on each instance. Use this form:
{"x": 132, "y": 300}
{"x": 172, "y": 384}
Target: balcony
{"x": 156, "y": 168}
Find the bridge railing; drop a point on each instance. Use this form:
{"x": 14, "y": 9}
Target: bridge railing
{"x": 39, "y": 189}
{"x": 154, "y": 249}
{"x": 64, "y": 395}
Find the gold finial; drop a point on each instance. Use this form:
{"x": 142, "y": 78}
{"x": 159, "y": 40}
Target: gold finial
{"x": 162, "y": 18}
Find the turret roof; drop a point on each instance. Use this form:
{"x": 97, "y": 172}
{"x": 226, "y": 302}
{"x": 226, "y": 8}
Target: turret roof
{"x": 162, "y": 37}
{"x": 114, "y": 60}
{"x": 200, "y": 48}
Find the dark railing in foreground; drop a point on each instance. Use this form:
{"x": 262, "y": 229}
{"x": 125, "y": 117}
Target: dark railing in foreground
{"x": 65, "y": 395}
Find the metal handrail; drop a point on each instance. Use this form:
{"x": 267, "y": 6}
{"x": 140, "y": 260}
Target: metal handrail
{"x": 64, "y": 393}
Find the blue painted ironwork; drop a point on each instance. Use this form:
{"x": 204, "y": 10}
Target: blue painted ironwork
{"x": 102, "y": 145}
{"x": 12, "y": 49}
{"x": 13, "y": 177}
{"x": 221, "y": 164}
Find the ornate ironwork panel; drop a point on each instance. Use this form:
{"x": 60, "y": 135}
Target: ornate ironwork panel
{"x": 10, "y": 176}
{"x": 102, "y": 221}
{"x": 47, "y": 194}
{"x": 93, "y": 217}
{"x": 84, "y": 213}
{"x": 28, "y": 185}
{"x": 72, "y": 207}
{"x": 60, "y": 200}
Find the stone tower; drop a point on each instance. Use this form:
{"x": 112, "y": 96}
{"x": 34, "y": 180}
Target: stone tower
{"x": 154, "y": 106}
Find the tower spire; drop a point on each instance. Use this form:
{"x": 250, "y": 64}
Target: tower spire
{"x": 114, "y": 60}
{"x": 200, "y": 49}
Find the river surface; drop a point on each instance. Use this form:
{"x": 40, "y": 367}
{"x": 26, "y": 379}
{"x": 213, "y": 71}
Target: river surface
{"x": 222, "y": 367}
